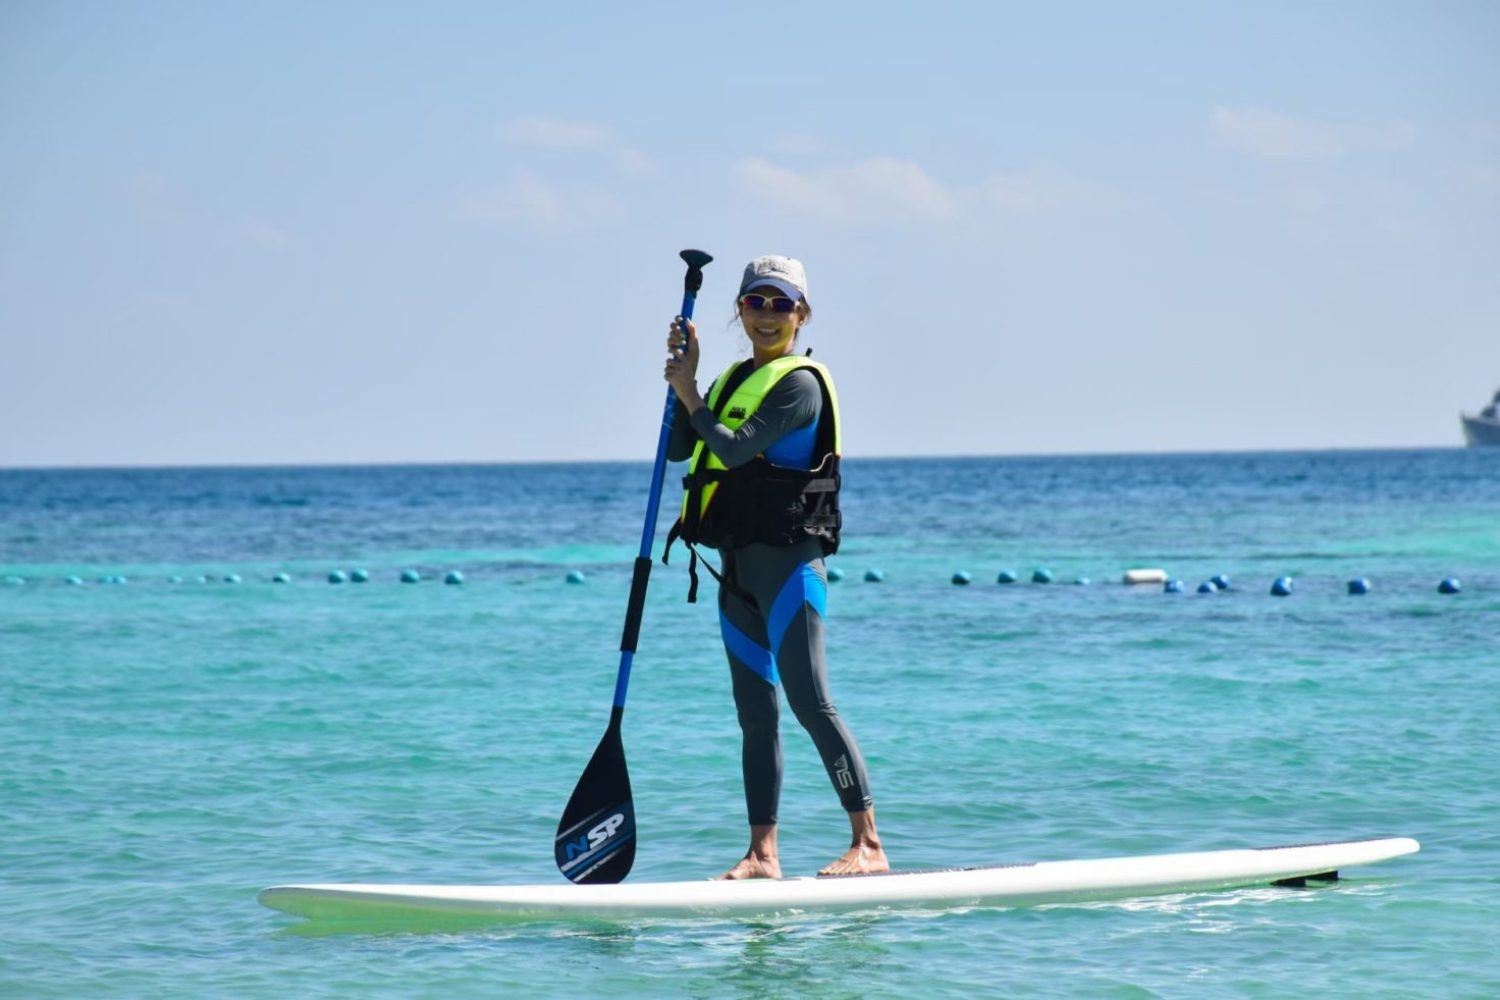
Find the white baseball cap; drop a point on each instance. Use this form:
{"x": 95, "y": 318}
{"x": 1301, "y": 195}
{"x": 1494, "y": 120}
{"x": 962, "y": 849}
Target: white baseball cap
{"x": 785, "y": 274}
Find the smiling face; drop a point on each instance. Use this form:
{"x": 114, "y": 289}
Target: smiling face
{"x": 771, "y": 333}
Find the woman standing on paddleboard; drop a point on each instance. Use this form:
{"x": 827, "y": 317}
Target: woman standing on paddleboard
{"x": 762, "y": 488}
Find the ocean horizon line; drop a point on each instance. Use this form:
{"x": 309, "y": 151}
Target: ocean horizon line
{"x": 536, "y": 463}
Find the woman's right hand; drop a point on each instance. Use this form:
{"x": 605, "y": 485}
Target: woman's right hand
{"x": 682, "y": 354}
{"x": 682, "y": 363}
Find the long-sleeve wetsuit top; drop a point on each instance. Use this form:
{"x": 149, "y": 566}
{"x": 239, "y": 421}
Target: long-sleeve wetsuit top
{"x": 793, "y": 403}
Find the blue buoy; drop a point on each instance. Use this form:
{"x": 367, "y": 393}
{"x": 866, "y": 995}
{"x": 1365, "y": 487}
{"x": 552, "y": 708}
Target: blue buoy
{"x": 410, "y": 576}
{"x": 173, "y": 579}
{"x": 962, "y": 579}
{"x": 232, "y": 578}
{"x": 574, "y": 576}
{"x": 1081, "y": 581}
{"x": 282, "y": 578}
{"x": 1006, "y": 576}
{"x": 1281, "y": 586}
{"x": 835, "y": 574}
{"x": 1207, "y": 587}
{"x": 1041, "y": 575}
{"x": 454, "y": 578}
{"x": 205, "y": 578}
{"x": 1220, "y": 581}
{"x": 1172, "y": 587}
{"x": 14, "y": 581}
{"x": 75, "y": 581}
{"x": 1359, "y": 585}
{"x": 1449, "y": 586}
{"x": 874, "y": 575}
{"x": 358, "y": 576}
{"x": 337, "y": 576}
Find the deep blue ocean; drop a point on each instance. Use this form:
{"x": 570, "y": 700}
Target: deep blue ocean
{"x": 174, "y": 741}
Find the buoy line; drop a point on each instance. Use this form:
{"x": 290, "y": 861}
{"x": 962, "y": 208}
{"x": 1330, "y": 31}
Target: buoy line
{"x": 1133, "y": 578}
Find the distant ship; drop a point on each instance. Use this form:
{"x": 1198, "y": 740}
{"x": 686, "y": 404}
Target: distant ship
{"x": 1483, "y": 428}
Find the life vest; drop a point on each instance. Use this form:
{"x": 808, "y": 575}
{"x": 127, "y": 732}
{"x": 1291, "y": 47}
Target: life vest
{"x": 763, "y": 501}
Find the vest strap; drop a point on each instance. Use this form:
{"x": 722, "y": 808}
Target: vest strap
{"x": 693, "y": 573}
{"x": 693, "y": 558}
{"x": 731, "y": 586}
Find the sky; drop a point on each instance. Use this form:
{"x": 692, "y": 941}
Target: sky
{"x": 359, "y": 232}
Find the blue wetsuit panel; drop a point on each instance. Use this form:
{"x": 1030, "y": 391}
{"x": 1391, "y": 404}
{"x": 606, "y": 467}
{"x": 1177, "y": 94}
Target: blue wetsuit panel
{"x": 804, "y": 586}
{"x": 749, "y": 652}
{"x": 794, "y": 449}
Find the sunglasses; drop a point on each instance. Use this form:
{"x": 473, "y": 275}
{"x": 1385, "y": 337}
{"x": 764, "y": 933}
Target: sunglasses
{"x": 775, "y": 303}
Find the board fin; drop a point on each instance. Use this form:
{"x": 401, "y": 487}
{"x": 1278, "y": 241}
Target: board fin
{"x": 1300, "y": 882}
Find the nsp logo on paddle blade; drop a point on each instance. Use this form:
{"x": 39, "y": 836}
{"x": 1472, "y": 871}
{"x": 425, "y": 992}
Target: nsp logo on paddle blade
{"x": 597, "y": 837}
{"x": 597, "y": 843}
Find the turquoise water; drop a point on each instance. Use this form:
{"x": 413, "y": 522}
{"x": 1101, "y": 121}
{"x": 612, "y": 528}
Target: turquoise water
{"x": 171, "y": 748}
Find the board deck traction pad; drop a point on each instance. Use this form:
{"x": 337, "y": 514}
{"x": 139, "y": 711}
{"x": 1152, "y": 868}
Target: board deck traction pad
{"x": 1033, "y": 864}
{"x": 356, "y": 902}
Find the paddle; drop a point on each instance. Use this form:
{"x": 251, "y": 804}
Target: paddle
{"x": 595, "y": 840}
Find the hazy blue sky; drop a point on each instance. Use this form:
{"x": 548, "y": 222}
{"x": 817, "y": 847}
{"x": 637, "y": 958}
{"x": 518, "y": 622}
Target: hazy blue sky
{"x": 354, "y": 232}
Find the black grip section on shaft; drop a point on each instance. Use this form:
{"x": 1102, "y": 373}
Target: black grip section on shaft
{"x": 637, "y": 604}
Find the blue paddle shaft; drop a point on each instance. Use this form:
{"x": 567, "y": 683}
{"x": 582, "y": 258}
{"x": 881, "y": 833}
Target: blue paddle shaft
{"x": 642, "y": 572}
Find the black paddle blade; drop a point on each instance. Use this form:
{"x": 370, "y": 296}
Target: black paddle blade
{"x": 595, "y": 841}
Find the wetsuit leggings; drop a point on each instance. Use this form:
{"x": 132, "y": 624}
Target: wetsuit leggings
{"x": 780, "y": 638}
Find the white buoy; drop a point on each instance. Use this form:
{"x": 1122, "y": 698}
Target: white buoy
{"x": 1134, "y": 576}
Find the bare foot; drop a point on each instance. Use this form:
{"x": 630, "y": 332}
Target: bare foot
{"x": 753, "y": 866}
{"x": 865, "y": 856}
{"x": 861, "y": 859}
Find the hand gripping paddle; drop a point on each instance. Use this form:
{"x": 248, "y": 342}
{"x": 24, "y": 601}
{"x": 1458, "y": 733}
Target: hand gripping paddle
{"x": 595, "y": 840}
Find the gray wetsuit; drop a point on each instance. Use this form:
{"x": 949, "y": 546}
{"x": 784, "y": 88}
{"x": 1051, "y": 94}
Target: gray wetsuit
{"x": 776, "y": 635}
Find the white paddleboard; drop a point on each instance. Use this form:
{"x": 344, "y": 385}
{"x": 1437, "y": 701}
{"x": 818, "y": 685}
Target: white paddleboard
{"x": 998, "y": 885}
